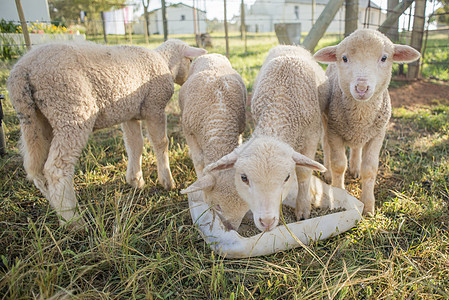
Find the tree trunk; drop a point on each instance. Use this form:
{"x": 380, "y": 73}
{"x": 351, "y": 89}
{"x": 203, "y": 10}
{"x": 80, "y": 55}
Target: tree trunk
{"x": 164, "y": 20}
{"x": 146, "y": 21}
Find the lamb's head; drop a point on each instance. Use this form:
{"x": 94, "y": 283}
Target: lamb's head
{"x": 219, "y": 192}
{"x": 212, "y": 61}
{"x": 364, "y": 61}
{"x": 179, "y": 56}
{"x": 265, "y": 173}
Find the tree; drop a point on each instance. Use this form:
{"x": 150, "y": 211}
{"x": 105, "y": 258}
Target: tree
{"x": 442, "y": 13}
{"x": 146, "y": 15}
{"x": 69, "y": 10}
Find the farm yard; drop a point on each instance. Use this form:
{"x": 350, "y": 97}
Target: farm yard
{"x": 141, "y": 244}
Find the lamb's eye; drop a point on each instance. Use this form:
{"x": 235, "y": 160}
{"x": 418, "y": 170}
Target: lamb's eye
{"x": 286, "y": 179}
{"x": 244, "y": 178}
{"x": 190, "y": 60}
{"x": 345, "y": 59}
{"x": 384, "y": 58}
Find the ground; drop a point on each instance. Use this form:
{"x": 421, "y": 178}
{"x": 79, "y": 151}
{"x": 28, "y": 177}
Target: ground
{"x": 420, "y": 92}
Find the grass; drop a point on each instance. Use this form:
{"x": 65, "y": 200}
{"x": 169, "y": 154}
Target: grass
{"x": 140, "y": 244}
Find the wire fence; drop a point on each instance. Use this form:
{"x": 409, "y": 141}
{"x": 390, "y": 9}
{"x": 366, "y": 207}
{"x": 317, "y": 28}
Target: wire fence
{"x": 434, "y": 50}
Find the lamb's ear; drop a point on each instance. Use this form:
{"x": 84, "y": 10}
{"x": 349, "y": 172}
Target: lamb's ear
{"x": 304, "y": 161}
{"x": 204, "y": 183}
{"x": 194, "y": 52}
{"x": 326, "y": 55}
{"x": 405, "y": 54}
{"x": 226, "y": 162}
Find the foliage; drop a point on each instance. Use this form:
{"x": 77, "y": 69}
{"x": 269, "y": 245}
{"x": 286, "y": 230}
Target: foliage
{"x": 142, "y": 243}
{"x": 9, "y": 26}
{"x": 69, "y": 11}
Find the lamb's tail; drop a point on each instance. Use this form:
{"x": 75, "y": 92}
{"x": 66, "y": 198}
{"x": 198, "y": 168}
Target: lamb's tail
{"x": 36, "y": 131}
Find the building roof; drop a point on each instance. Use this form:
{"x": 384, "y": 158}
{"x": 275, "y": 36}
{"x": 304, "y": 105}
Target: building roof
{"x": 362, "y": 3}
{"x": 177, "y": 4}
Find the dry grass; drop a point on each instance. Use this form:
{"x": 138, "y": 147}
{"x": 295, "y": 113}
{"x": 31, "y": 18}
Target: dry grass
{"x": 141, "y": 243}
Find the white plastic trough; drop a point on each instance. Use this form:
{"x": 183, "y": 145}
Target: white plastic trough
{"x": 230, "y": 244}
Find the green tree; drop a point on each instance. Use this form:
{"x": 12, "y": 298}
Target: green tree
{"x": 442, "y": 13}
{"x": 68, "y": 11}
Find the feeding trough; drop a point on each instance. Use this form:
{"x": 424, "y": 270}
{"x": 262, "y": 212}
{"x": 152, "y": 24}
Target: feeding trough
{"x": 230, "y": 244}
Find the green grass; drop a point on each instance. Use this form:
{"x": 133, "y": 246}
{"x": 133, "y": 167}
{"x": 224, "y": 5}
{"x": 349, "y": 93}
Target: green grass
{"x": 141, "y": 244}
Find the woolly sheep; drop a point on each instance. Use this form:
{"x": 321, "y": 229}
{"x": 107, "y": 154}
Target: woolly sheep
{"x": 359, "y": 108}
{"x": 62, "y": 92}
{"x": 213, "y": 117}
{"x": 269, "y": 167}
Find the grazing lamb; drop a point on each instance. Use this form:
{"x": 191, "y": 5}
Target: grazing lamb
{"x": 62, "y": 92}
{"x": 213, "y": 116}
{"x": 269, "y": 167}
{"x": 359, "y": 108}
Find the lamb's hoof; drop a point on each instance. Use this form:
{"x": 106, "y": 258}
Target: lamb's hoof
{"x": 368, "y": 212}
{"x": 302, "y": 214}
{"x": 76, "y": 224}
{"x": 168, "y": 185}
{"x": 354, "y": 173}
{"x": 137, "y": 183}
{"x": 328, "y": 176}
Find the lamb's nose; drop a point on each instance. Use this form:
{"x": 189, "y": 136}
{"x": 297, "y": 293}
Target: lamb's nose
{"x": 361, "y": 88}
{"x": 267, "y": 222}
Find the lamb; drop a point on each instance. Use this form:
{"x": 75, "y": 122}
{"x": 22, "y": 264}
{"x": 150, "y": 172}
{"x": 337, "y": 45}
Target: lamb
{"x": 359, "y": 107}
{"x": 269, "y": 167}
{"x": 213, "y": 118}
{"x": 62, "y": 92}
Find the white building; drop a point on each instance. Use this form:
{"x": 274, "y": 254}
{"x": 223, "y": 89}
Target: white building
{"x": 34, "y": 10}
{"x": 180, "y": 20}
{"x": 263, "y": 14}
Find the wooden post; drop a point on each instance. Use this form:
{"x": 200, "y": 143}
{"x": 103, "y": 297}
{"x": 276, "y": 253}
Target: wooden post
{"x": 243, "y": 25}
{"x": 195, "y": 25}
{"x": 417, "y": 36}
{"x": 351, "y": 16}
{"x": 319, "y": 28}
{"x": 164, "y": 20}
{"x": 147, "y": 40}
{"x": 394, "y": 16}
{"x": 104, "y": 27}
{"x": 226, "y": 30}
{"x": 313, "y": 12}
{"x": 23, "y": 23}
{"x": 393, "y": 33}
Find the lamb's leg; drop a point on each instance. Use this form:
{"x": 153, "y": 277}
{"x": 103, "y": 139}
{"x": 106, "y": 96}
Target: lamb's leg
{"x": 304, "y": 177}
{"x": 304, "y": 198}
{"x": 65, "y": 150}
{"x": 196, "y": 153}
{"x": 370, "y": 164}
{"x": 355, "y": 159}
{"x": 338, "y": 160}
{"x": 326, "y": 150}
{"x": 35, "y": 144}
{"x": 157, "y": 131}
{"x": 132, "y": 136}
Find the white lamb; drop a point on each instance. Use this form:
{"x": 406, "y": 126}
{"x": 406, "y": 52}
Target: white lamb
{"x": 269, "y": 167}
{"x": 62, "y": 92}
{"x": 359, "y": 108}
{"x": 212, "y": 101}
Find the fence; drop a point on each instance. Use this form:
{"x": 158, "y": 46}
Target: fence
{"x": 434, "y": 46}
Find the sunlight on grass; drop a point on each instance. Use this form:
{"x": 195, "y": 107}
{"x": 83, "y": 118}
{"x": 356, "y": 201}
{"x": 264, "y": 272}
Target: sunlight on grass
{"x": 140, "y": 244}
